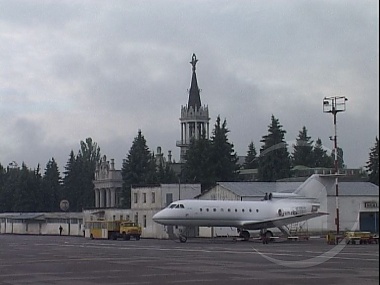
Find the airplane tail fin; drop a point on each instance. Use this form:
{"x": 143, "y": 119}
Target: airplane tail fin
{"x": 315, "y": 187}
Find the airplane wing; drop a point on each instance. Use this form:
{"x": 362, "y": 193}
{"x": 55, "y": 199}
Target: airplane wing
{"x": 280, "y": 221}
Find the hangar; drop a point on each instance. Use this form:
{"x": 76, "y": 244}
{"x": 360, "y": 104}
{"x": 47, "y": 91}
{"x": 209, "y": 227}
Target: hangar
{"x": 42, "y": 223}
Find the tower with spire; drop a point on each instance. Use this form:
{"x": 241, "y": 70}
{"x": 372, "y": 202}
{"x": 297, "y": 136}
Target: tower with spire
{"x": 194, "y": 117}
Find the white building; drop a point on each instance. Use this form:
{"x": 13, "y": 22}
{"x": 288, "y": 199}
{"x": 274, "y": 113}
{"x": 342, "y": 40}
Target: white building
{"x": 42, "y": 223}
{"x": 145, "y": 202}
{"x": 107, "y": 184}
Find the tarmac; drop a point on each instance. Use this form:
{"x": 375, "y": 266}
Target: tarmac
{"x": 62, "y": 260}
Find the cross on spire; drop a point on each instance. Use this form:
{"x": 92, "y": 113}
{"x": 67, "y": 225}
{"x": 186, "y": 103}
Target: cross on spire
{"x": 194, "y": 61}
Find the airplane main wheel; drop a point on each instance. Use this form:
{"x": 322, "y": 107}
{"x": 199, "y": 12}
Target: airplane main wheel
{"x": 266, "y": 237}
{"x": 245, "y": 235}
{"x": 182, "y": 238}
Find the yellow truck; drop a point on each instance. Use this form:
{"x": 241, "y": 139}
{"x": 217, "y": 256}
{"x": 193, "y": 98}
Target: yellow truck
{"x": 360, "y": 238}
{"x": 129, "y": 229}
{"x": 102, "y": 229}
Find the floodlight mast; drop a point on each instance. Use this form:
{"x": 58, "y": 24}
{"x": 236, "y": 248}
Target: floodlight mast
{"x": 335, "y": 105}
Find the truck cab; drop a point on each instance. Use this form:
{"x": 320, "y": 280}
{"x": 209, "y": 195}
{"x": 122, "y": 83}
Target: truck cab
{"x": 130, "y": 229}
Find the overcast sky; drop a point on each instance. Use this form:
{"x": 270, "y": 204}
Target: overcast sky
{"x": 105, "y": 69}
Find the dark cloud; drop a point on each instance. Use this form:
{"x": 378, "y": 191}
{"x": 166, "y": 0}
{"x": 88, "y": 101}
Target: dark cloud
{"x": 72, "y": 70}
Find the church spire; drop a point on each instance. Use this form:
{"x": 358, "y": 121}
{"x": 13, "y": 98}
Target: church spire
{"x": 194, "y": 117}
{"x": 194, "y": 96}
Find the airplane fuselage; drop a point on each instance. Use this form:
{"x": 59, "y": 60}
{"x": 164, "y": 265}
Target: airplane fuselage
{"x": 240, "y": 214}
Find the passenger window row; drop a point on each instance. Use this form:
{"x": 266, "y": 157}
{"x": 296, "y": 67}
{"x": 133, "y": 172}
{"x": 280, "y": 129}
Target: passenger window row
{"x": 228, "y": 210}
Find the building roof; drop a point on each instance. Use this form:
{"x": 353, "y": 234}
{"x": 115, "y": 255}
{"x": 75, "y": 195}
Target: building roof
{"x": 194, "y": 96}
{"x": 252, "y": 189}
{"x": 357, "y": 189}
{"x": 23, "y": 216}
{"x": 42, "y": 216}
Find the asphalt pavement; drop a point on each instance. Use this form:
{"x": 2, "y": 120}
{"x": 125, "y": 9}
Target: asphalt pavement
{"x": 62, "y": 260}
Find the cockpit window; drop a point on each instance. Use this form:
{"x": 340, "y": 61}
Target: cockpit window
{"x": 176, "y": 206}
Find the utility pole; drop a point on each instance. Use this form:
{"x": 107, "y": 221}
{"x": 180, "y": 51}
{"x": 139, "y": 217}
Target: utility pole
{"x": 334, "y": 105}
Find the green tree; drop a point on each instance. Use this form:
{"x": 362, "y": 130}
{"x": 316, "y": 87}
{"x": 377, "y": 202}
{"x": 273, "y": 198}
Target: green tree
{"x": 223, "y": 156}
{"x": 274, "y": 161}
{"x": 51, "y": 187}
{"x": 198, "y": 167}
{"x": 27, "y": 195}
{"x": 139, "y": 168}
{"x": 165, "y": 174}
{"x": 341, "y": 164}
{"x": 3, "y": 195}
{"x": 373, "y": 163}
{"x": 88, "y": 157}
{"x": 70, "y": 182}
{"x": 79, "y": 174}
{"x": 251, "y": 160}
{"x": 9, "y": 179}
{"x": 320, "y": 157}
{"x": 303, "y": 150}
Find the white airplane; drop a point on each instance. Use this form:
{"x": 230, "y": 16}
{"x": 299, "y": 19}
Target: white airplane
{"x": 276, "y": 210}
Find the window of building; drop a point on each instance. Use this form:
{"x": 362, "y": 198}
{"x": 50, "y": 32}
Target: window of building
{"x": 169, "y": 199}
{"x": 136, "y": 218}
{"x": 153, "y": 197}
{"x": 144, "y": 197}
{"x": 135, "y": 198}
{"x": 144, "y": 221}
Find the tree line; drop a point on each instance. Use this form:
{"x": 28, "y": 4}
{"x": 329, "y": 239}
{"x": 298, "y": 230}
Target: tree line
{"x": 207, "y": 161}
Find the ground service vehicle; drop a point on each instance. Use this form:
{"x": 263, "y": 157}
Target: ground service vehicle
{"x": 102, "y": 229}
{"x": 129, "y": 229}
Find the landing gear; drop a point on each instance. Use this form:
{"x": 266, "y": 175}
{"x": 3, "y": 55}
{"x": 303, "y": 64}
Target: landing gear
{"x": 266, "y": 236}
{"x": 182, "y": 238}
{"x": 245, "y": 235}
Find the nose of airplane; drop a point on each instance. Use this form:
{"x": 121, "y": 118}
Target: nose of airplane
{"x": 157, "y": 217}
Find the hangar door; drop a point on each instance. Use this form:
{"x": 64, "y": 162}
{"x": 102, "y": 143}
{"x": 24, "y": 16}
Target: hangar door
{"x": 369, "y": 222}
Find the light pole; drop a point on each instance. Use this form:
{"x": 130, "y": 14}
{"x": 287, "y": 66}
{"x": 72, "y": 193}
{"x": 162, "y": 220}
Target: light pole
{"x": 335, "y": 105}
